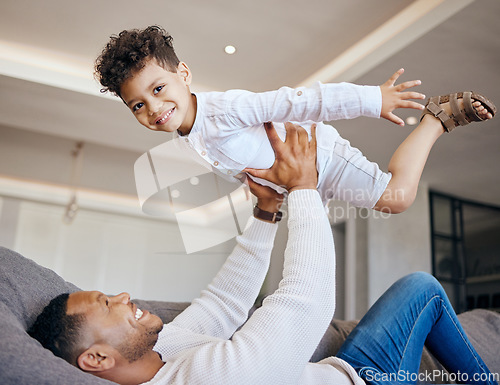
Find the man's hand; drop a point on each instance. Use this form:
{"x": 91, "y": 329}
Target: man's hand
{"x": 393, "y": 97}
{"x": 268, "y": 199}
{"x": 295, "y": 164}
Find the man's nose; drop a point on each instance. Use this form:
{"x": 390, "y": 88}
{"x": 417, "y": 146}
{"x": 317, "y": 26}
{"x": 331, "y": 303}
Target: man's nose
{"x": 121, "y": 298}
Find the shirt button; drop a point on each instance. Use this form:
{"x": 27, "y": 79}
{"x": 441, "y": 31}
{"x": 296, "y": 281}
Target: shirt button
{"x": 203, "y": 153}
{"x": 299, "y": 93}
{"x": 216, "y": 163}
{"x": 187, "y": 140}
{"x": 229, "y": 172}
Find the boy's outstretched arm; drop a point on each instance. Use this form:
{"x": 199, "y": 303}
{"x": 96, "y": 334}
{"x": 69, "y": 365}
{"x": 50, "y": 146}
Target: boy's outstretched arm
{"x": 393, "y": 97}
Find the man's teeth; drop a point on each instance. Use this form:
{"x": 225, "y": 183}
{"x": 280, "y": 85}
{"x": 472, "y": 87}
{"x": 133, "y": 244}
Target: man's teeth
{"x": 138, "y": 314}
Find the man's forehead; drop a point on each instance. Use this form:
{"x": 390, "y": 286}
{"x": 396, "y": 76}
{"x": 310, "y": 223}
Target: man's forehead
{"x": 83, "y": 301}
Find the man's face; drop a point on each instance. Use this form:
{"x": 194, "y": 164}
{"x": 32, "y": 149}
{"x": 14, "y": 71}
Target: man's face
{"x": 117, "y": 322}
{"x": 160, "y": 99}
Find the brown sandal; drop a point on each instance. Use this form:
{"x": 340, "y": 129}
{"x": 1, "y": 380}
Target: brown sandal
{"x": 458, "y": 116}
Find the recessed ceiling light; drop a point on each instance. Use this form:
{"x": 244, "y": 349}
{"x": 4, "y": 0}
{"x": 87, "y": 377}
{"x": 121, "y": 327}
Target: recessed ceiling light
{"x": 229, "y": 49}
{"x": 411, "y": 120}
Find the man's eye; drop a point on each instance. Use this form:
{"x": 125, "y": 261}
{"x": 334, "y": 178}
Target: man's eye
{"x": 137, "y": 107}
{"x": 107, "y": 302}
{"x": 157, "y": 89}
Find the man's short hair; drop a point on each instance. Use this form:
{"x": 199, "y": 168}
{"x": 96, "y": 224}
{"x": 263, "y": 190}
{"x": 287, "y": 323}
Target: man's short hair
{"x": 58, "y": 331}
{"x": 129, "y": 51}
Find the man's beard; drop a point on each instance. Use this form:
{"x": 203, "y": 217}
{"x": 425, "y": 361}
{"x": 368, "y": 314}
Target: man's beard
{"x": 135, "y": 348}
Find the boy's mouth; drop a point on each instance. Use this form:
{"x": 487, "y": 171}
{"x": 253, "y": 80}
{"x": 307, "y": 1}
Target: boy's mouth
{"x": 165, "y": 117}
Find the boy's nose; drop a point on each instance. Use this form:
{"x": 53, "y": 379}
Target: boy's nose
{"x": 154, "y": 108}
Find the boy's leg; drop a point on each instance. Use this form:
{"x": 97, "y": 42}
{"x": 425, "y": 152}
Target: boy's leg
{"x": 386, "y": 346}
{"x": 346, "y": 174}
{"x": 406, "y": 166}
{"x": 407, "y": 163}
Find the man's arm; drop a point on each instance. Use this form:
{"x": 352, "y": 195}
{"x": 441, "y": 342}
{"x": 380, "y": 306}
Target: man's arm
{"x": 224, "y": 305}
{"x": 274, "y": 346}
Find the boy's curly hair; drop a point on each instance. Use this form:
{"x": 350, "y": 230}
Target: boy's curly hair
{"x": 129, "y": 51}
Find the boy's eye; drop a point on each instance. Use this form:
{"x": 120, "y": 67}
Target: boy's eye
{"x": 137, "y": 106}
{"x": 157, "y": 89}
{"x": 107, "y": 302}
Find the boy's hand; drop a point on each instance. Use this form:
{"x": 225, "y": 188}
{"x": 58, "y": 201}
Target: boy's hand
{"x": 295, "y": 164}
{"x": 393, "y": 97}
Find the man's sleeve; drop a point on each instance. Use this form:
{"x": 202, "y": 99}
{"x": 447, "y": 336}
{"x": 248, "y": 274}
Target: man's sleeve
{"x": 223, "y": 306}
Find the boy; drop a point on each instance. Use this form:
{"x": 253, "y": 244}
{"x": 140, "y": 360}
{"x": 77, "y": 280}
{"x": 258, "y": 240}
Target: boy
{"x": 225, "y": 128}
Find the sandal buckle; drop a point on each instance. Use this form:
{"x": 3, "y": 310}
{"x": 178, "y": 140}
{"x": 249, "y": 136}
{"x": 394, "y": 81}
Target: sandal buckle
{"x": 434, "y": 109}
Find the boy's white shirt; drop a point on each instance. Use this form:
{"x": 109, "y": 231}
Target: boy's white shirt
{"x": 228, "y": 134}
{"x": 228, "y": 129}
{"x": 202, "y": 345}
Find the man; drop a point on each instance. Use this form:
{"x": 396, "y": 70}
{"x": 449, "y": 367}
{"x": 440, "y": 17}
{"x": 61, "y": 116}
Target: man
{"x": 113, "y": 339}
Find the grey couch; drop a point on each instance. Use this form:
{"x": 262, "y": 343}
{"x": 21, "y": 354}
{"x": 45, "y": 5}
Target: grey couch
{"x": 25, "y": 288}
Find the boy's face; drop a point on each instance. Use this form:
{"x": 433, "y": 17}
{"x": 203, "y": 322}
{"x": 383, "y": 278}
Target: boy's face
{"x": 160, "y": 99}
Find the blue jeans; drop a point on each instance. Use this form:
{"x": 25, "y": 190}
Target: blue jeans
{"x": 386, "y": 346}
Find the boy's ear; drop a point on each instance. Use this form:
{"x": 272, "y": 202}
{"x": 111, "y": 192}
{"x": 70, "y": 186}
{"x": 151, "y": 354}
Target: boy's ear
{"x": 96, "y": 359}
{"x": 184, "y": 71}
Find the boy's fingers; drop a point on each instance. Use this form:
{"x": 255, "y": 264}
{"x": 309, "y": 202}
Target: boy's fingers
{"x": 395, "y": 119}
{"x": 408, "y": 84}
{"x": 412, "y": 95}
{"x": 395, "y": 77}
{"x": 413, "y": 105}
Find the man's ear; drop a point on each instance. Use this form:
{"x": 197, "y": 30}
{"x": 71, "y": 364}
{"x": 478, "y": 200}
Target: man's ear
{"x": 97, "y": 358}
{"x": 184, "y": 72}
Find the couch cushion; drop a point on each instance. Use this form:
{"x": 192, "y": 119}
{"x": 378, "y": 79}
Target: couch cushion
{"x": 483, "y": 329}
{"x": 25, "y": 289}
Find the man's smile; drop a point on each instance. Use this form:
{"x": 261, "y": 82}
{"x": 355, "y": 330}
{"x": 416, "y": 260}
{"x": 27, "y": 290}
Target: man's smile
{"x": 138, "y": 314}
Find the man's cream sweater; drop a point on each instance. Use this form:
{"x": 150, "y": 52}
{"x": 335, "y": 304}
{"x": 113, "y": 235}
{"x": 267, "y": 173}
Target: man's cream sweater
{"x": 202, "y": 345}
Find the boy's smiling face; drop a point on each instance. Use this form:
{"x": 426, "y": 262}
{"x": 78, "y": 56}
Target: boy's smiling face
{"x": 160, "y": 99}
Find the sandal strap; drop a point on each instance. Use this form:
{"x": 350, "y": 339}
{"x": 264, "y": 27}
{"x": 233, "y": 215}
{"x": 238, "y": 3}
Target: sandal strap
{"x": 458, "y": 114}
{"x": 434, "y": 108}
{"x": 469, "y": 108}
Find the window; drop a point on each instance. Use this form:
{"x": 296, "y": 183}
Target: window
{"x": 465, "y": 238}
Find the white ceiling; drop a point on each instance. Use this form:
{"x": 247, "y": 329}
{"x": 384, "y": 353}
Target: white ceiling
{"x": 47, "y": 49}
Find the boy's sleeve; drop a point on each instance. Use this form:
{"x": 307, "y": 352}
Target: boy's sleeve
{"x": 320, "y": 102}
{"x": 224, "y": 305}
